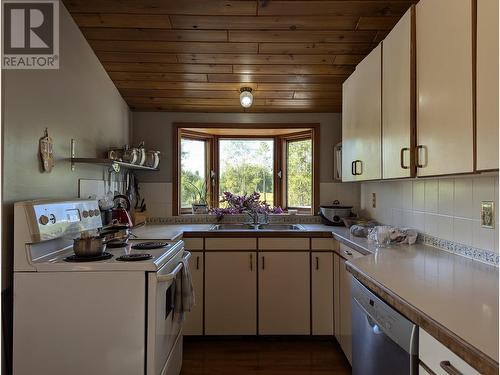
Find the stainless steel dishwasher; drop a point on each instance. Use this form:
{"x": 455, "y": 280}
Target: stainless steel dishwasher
{"x": 383, "y": 341}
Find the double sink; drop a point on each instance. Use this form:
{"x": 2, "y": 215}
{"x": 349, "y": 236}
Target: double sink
{"x": 259, "y": 227}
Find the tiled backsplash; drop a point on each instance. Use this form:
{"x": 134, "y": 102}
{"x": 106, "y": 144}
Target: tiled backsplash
{"x": 447, "y": 208}
{"x": 158, "y": 196}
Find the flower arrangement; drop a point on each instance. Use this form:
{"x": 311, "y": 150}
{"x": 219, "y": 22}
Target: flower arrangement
{"x": 238, "y": 204}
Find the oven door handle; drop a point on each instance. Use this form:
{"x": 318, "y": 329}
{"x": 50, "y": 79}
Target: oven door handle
{"x": 172, "y": 275}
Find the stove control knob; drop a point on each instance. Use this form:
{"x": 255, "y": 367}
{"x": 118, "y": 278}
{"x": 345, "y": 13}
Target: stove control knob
{"x": 85, "y": 214}
{"x": 91, "y": 213}
{"x": 44, "y": 220}
{"x": 97, "y": 212}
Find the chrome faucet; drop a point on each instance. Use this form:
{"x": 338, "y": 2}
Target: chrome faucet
{"x": 254, "y": 215}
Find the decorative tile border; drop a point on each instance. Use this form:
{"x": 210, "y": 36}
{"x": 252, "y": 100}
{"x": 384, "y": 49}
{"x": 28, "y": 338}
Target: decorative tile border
{"x": 211, "y": 219}
{"x": 485, "y": 256}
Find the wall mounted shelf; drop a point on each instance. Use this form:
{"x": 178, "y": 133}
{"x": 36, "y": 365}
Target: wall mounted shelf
{"x": 111, "y": 163}
{"x": 116, "y": 165}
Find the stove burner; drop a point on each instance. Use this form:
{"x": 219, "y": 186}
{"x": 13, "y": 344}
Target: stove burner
{"x": 134, "y": 257}
{"x": 113, "y": 244}
{"x": 149, "y": 245}
{"x": 76, "y": 258}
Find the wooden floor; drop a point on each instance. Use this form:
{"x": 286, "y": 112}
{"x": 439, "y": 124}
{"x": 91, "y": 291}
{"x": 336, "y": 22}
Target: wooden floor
{"x": 259, "y": 356}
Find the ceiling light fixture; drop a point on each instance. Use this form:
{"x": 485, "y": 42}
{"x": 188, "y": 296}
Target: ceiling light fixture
{"x": 246, "y": 97}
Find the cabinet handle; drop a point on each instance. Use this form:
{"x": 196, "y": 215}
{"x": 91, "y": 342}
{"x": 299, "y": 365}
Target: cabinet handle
{"x": 263, "y": 263}
{"x": 197, "y": 262}
{"x": 449, "y": 368}
{"x": 347, "y": 252}
{"x": 251, "y": 262}
{"x": 402, "y": 156}
{"x": 356, "y": 167}
{"x": 353, "y": 172}
{"x": 317, "y": 263}
{"x": 417, "y": 156}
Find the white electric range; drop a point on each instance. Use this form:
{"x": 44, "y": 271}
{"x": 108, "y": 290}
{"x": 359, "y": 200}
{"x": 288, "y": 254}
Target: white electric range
{"x": 106, "y": 316}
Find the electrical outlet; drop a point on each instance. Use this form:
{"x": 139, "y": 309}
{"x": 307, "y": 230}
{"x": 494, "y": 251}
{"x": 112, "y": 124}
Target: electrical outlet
{"x": 488, "y": 214}
{"x": 374, "y": 200}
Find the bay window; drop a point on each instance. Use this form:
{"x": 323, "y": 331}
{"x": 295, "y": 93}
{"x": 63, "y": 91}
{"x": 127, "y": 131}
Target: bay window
{"x": 277, "y": 161}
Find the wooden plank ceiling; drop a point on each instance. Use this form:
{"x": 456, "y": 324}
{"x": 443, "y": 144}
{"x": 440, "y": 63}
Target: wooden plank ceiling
{"x": 195, "y": 55}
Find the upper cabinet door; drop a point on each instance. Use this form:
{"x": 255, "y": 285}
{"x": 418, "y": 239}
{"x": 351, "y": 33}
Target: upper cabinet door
{"x": 445, "y": 134}
{"x": 398, "y": 108}
{"x": 348, "y": 135}
{"x": 487, "y": 85}
{"x": 361, "y": 131}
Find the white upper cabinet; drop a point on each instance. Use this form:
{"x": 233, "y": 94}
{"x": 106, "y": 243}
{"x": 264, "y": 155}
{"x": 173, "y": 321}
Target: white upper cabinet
{"x": 487, "y": 85}
{"x": 348, "y": 133}
{"x": 445, "y": 134}
{"x": 362, "y": 120}
{"x": 398, "y": 101}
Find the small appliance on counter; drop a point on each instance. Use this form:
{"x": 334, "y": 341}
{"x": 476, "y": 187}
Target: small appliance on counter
{"x": 333, "y": 215}
{"x": 121, "y": 210}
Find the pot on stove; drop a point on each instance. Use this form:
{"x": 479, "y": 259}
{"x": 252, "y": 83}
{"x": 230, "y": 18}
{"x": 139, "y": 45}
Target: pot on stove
{"x": 88, "y": 246}
{"x": 332, "y": 215}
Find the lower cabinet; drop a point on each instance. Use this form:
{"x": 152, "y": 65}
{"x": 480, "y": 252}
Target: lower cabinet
{"x": 439, "y": 359}
{"x": 284, "y": 293}
{"x": 322, "y": 293}
{"x": 230, "y": 293}
{"x": 345, "y": 310}
{"x": 287, "y": 289}
{"x": 193, "y": 325}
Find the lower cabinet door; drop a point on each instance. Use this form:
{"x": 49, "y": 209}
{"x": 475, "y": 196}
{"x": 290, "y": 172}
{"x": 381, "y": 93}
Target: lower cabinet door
{"x": 345, "y": 311}
{"x": 230, "y": 293}
{"x": 284, "y": 293}
{"x": 322, "y": 293}
{"x": 336, "y": 295}
{"x": 193, "y": 325}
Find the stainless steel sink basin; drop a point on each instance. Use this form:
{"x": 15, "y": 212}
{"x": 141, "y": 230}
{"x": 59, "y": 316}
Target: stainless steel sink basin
{"x": 281, "y": 227}
{"x": 261, "y": 227}
{"x": 233, "y": 227}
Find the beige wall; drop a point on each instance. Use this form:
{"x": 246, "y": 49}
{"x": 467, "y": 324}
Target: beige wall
{"x": 447, "y": 208}
{"x": 77, "y": 101}
{"x": 155, "y": 128}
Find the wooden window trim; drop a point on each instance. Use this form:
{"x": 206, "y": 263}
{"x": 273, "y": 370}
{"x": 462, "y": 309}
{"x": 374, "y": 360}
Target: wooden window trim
{"x": 209, "y": 156}
{"x": 284, "y": 140}
{"x": 178, "y": 130}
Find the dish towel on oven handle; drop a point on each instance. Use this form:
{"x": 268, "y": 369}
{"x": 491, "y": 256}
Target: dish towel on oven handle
{"x": 184, "y": 292}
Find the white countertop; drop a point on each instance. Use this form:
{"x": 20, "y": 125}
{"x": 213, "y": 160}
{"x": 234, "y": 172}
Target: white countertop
{"x": 456, "y": 292}
{"x": 167, "y": 232}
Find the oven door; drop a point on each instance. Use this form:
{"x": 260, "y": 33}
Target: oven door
{"x": 162, "y": 327}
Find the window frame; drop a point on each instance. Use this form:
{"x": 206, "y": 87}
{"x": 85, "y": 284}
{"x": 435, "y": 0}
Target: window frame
{"x": 285, "y": 140}
{"x": 185, "y": 130}
{"x": 248, "y": 137}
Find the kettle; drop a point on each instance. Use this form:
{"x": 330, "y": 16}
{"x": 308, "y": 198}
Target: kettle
{"x": 121, "y": 215}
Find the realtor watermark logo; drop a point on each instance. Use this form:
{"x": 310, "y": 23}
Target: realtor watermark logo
{"x": 30, "y": 34}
